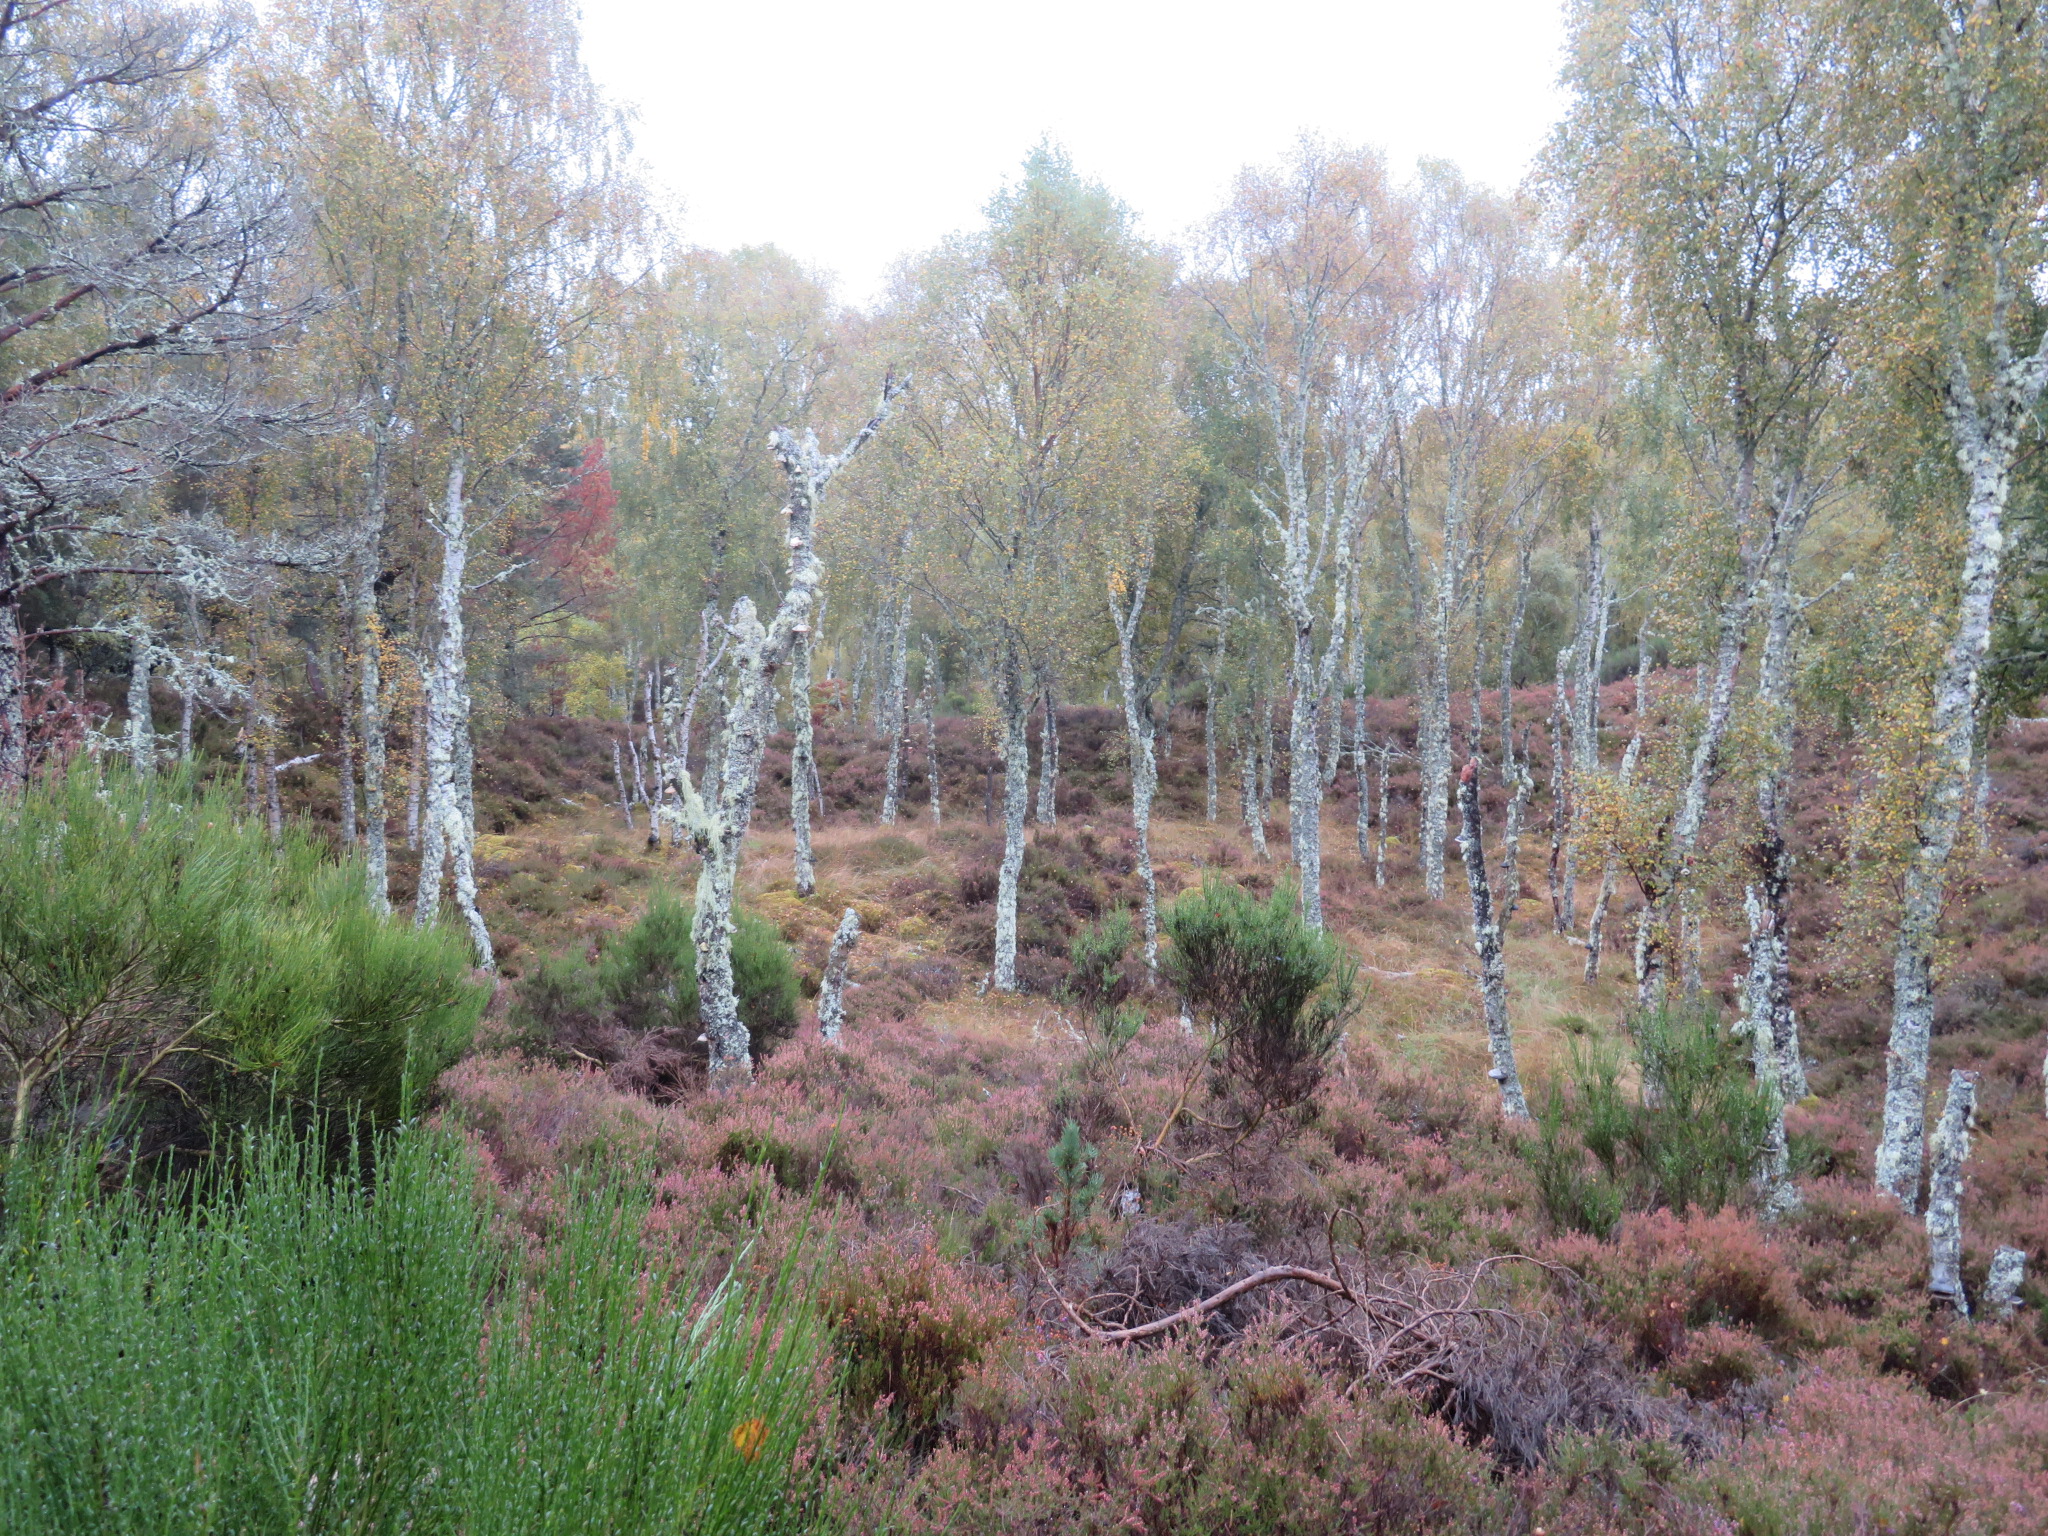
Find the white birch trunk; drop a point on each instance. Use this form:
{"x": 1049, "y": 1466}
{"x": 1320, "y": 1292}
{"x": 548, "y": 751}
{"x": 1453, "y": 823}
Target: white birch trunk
{"x": 1986, "y": 443}
{"x": 893, "y": 708}
{"x": 1048, "y": 760}
{"x": 1767, "y": 990}
{"x": 929, "y": 697}
{"x": 832, "y": 990}
{"x": 446, "y": 834}
{"x": 141, "y": 727}
{"x": 1596, "y": 923}
{"x": 1563, "y": 861}
{"x": 1138, "y": 735}
{"x": 1945, "y": 1193}
{"x": 369, "y": 679}
{"x": 1486, "y": 940}
{"x": 1248, "y": 786}
{"x": 1015, "y": 700}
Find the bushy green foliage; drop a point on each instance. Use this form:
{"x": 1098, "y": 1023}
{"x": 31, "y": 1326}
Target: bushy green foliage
{"x": 1097, "y": 987}
{"x": 646, "y": 978}
{"x": 1691, "y": 1138}
{"x": 1274, "y": 993}
{"x": 149, "y": 936}
{"x": 292, "y": 1351}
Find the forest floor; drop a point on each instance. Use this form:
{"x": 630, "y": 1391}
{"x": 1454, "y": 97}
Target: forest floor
{"x": 1749, "y": 1348}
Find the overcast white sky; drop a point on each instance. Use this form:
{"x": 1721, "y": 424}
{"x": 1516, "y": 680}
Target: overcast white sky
{"x": 851, "y": 134}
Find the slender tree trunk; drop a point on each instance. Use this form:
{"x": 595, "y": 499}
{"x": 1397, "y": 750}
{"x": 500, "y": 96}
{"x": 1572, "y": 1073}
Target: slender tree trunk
{"x": 1268, "y": 750}
{"x": 1945, "y": 1193}
{"x": 1564, "y": 872}
{"x": 1379, "y": 847}
{"x": 1209, "y": 747}
{"x": 1767, "y": 992}
{"x": 929, "y": 696}
{"x": 1681, "y": 841}
{"x": 13, "y": 692}
{"x": 370, "y": 680}
{"x": 801, "y": 759}
{"x": 1486, "y": 939}
{"x": 1361, "y": 750}
{"x": 893, "y": 708}
{"x": 1048, "y": 759}
{"x": 1138, "y": 732}
{"x": 1985, "y": 451}
{"x": 1248, "y": 783}
{"x": 447, "y": 834}
{"x": 1597, "y": 922}
{"x": 619, "y": 778}
{"x": 1305, "y": 782}
{"x": 141, "y": 725}
{"x": 1015, "y": 699}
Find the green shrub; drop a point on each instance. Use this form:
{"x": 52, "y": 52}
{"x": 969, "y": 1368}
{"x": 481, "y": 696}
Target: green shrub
{"x": 151, "y": 939}
{"x": 1274, "y": 993}
{"x": 1693, "y": 1139}
{"x": 646, "y": 979}
{"x": 1076, "y": 1184}
{"x": 286, "y": 1350}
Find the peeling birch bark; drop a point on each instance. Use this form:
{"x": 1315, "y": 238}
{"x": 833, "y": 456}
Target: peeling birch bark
{"x": 1631, "y": 754}
{"x": 831, "y": 991}
{"x": 13, "y": 690}
{"x": 1951, "y": 1150}
{"x": 1486, "y": 940}
{"x": 1563, "y": 867}
{"x": 1379, "y": 847}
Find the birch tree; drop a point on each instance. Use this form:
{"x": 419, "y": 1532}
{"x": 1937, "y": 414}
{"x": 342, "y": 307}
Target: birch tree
{"x": 717, "y": 825}
{"x": 1302, "y": 271}
{"x": 1035, "y": 333}
{"x": 1959, "y": 139}
{"x": 1709, "y": 160}
{"x": 142, "y": 253}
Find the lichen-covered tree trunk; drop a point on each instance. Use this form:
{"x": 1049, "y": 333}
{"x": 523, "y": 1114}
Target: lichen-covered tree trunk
{"x": 1305, "y": 781}
{"x": 1564, "y": 872}
{"x": 13, "y": 688}
{"x": 1433, "y": 748}
{"x": 893, "y": 710}
{"x": 1767, "y": 991}
{"x": 717, "y": 824}
{"x": 1945, "y": 1193}
{"x": 141, "y": 728}
{"x": 800, "y": 760}
{"x": 832, "y": 989}
{"x": 1014, "y": 698}
{"x": 1144, "y": 766}
{"x": 370, "y": 679}
{"x": 929, "y": 698}
{"x": 1985, "y": 450}
{"x": 1246, "y": 745}
{"x": 1596, "y": 922}
{"x": 446, "y": 836}
{"x": 1486, "y": 940}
